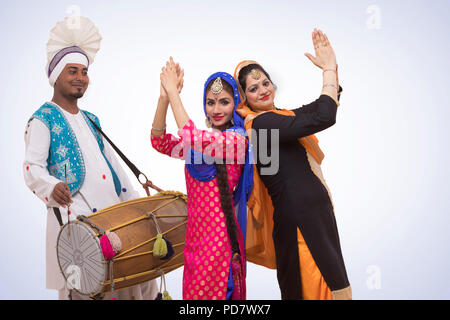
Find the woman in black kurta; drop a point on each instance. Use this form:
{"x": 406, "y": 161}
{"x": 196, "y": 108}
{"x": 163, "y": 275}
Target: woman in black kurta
{"x": 303, "y": 209}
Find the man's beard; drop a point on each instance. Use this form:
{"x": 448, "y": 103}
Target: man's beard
{"x": 77, "y": 95}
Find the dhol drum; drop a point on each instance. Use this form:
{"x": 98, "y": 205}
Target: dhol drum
{"x": 137, "y": 224}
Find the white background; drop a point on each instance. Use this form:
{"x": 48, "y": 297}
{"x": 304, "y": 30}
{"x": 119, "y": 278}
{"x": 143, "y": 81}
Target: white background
{"x": 386, "y": 158}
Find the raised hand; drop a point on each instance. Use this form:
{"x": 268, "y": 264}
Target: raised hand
{"x": 180, "y": 75}
{"x": 180, "y": 82}
{"x": 169, "y": 77}
{"x": 325, "y": 57}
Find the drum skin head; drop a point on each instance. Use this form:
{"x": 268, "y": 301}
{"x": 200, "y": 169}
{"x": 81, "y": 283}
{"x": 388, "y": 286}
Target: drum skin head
{"x": 80, "y": 258}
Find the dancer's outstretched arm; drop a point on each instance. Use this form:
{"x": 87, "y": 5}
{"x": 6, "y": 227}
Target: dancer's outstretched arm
{"x": 159, "y": 121}
{"x": 325, "y": 59}
{"x": 169, "y": 80}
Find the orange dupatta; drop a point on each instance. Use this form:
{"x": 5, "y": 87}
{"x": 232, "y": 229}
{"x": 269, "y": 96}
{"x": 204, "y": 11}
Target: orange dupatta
{"x": 259, "y": 243}
{"x": 260, "y": 248}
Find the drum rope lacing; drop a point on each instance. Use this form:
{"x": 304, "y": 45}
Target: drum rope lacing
{"x": 145, "y": 273}
{"x": 146, "y": 216}
{"x": 150, "y": 240}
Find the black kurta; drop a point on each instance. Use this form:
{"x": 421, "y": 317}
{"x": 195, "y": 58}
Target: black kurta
{"x": 299, "y": 197}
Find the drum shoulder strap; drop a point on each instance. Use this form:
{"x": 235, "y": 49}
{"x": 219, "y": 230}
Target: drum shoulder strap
{"x": 58, "y": 215}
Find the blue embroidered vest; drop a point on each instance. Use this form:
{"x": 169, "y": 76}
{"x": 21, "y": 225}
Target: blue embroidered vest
{"x": 65, "y": 158}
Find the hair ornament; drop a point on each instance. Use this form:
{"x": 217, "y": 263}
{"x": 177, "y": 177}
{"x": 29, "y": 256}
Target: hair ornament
{"x": 255, "y": 74}
{"x": 217, "y": 86}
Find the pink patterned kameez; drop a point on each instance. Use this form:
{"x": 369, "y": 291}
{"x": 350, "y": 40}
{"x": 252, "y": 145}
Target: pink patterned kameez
{"x": 207, "y": 251}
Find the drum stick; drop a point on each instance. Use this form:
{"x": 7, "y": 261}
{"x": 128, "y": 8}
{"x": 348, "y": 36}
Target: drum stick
{"x": 68, "y": 206}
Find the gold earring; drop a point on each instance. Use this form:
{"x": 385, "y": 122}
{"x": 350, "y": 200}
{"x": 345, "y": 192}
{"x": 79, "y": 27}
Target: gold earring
{"x": 208, "y": 122}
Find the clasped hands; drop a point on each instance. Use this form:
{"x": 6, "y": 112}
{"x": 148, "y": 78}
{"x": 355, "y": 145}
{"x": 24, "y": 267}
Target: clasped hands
{"x": 172, "y": 79}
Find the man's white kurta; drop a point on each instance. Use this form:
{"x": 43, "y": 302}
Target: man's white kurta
{"x": 97, "y": 191}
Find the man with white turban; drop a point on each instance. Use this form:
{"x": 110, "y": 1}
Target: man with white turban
{"x": 67, "y": 163}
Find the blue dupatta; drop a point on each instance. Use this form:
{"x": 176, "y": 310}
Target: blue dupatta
{"x": 202, "y": 167}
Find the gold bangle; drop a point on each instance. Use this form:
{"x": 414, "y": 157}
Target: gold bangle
{"x": 157, "y": 129}
{"x": 330, "y": 85}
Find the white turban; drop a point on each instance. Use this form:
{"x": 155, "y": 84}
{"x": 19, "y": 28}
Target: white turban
{"x": 74, "y": 40}
{"x": 62, "y": 58}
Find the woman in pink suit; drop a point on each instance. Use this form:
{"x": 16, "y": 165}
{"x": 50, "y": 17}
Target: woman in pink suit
{"x": 218, "y": 181}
